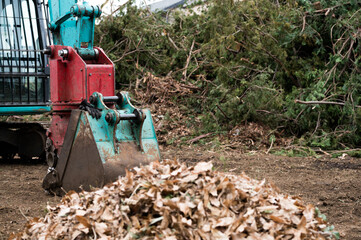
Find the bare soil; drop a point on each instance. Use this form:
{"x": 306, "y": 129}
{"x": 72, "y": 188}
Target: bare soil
{"x": 332, "y": 184}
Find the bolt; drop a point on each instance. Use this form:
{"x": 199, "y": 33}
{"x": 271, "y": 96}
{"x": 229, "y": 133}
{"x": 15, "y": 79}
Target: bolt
{"x": 109, "y": 117}
{"x": 63, "y": 53}
{"x": 90, "y": 74}
{"x": 92, "y": 99}
{"x": 110, "y": 74}
{"x": 47, "y": 51}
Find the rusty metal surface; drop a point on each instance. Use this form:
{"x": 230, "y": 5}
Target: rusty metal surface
{"x": 79, "y": 165}
{"x": 68, "y": 141}
{"x": 85, "y": 161}
{"x": 84, "y": 168}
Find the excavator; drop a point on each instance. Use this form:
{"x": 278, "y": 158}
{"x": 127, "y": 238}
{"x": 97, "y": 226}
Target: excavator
{"x": 49, "y": 65}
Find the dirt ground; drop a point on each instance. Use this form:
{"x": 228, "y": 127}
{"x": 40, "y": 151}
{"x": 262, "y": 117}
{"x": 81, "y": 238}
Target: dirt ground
{"x": 332, "y": 184}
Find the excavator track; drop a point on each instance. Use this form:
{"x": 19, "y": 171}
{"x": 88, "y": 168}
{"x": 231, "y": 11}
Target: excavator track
{"x": 23, "y": 139}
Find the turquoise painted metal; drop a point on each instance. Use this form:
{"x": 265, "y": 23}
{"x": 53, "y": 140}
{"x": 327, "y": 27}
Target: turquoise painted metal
{"x": 112, "y": 129}
{"x": 79, "y": 31}
{"x": 24, "y": 110}
{"x": 97, "y": 151}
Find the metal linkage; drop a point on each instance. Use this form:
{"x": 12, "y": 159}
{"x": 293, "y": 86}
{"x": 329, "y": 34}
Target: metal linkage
{"x": 112, "y": 116}
{"x": 73, "y": 25}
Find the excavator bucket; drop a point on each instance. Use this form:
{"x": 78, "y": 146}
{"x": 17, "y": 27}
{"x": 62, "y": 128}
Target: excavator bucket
{"x": 101, "y": 143}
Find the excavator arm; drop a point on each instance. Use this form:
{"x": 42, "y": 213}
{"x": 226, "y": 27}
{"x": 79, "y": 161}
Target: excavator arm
{"x": 94, "y": 135}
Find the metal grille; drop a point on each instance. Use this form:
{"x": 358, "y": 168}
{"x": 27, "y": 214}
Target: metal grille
{"x": 24, "y": 79}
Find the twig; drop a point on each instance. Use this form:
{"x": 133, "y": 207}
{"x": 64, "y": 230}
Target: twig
{"x": 274, "y": 75}
{"x": 27, "y": 219}
{"x": 347, "y": 150}
{"x": 128, "y": 53}
{"x": 303, "y": 24}
{"x": 117, "y": 9}
{"x": 117, "y": 44}
{"x": 322, "y": 102}
{"x": 193, "y": 72}
{"x": 299, "y": 114}
{"x": 265, "y": 111}
{"x": 326, "y": 153}
{"x": 196, "y": 139}
{"x": 188, "y": 60}
{"x": 148, "y": 9}
{"x": 172, "y": 42}
{"x": 223, "y": 113}
{"x": 331, "y": 8}
{"x": 266, "y": 88}
{"x": 318, "y": 123}
{"x": 270, "y": 147}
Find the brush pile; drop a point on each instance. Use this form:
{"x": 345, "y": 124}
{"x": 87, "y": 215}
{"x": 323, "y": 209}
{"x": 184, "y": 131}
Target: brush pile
{"x": 171, "y": 201}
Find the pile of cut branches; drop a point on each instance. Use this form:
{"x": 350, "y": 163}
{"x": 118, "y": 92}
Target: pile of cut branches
{"x": 293, "y": 65}
{"x": 163, "y": 95}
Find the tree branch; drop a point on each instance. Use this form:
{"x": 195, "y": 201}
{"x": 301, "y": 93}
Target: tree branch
{"x": 322, "y": 102}
{"x": 188, "y": 60}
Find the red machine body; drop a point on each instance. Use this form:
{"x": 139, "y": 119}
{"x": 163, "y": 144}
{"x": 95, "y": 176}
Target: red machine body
{"x": 73, "y": 80}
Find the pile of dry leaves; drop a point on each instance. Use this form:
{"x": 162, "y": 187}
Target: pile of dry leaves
{"x": 171, "y": 201}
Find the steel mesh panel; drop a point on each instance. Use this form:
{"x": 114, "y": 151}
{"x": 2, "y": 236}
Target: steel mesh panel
{"x": 23, "y": 35}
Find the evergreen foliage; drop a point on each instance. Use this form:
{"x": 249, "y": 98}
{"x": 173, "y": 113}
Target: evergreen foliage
{"x": 251, "y": 60}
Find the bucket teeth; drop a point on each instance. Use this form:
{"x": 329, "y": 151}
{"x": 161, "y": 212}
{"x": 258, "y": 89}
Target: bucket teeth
{"x": 51, "y": 183}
